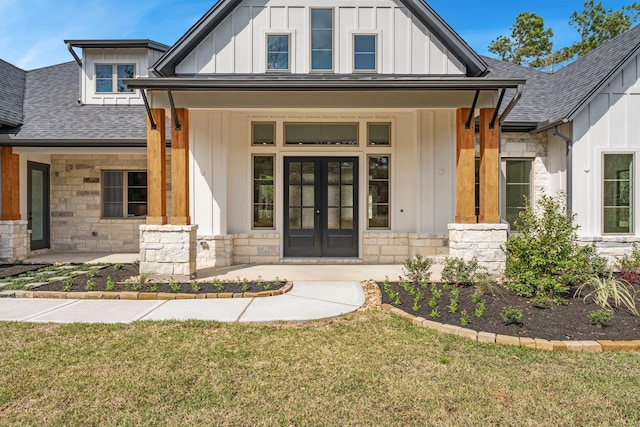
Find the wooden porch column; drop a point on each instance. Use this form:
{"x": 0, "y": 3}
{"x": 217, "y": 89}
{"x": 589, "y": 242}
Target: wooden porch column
{"x": 180, "y": 170}
{"x": 465, "y": 169}
{"x": 157, "y": 169}
{"x": 489, "y": 166}
{"x": 10, "y": 185}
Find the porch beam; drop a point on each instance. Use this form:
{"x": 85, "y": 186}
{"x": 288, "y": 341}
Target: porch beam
{"x": 156, "y": 169}
{"x": 10, "y": 185}
{"x": 465, "y": 169}
{"x": 180, "y": 169}
{"x": 489, "y": 166}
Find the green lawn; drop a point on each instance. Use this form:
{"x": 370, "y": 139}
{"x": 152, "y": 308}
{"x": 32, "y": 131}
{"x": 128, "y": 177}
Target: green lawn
{"x": 367, "y": 368}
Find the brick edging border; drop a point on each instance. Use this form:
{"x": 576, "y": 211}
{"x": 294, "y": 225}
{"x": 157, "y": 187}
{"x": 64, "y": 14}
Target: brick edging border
{"x": 535, "y": 343}
{"x": 149, "y": 295}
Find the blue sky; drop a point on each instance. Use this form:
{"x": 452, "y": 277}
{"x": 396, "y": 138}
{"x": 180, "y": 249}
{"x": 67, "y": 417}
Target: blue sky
{"x": 32, "y": 31}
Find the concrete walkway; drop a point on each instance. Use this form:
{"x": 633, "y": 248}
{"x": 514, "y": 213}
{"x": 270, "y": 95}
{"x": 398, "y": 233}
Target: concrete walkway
{"x": 306, "y": 301}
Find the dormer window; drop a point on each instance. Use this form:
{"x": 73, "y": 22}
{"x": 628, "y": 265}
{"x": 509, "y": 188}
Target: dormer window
{"x": 321, "y": 39}
{"x": 109, "y": 77}
{"x": 278, "y": 52}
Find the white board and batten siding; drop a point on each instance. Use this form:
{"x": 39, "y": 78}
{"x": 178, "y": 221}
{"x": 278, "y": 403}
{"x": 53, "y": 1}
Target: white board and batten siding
{"x": 422, "y": 156}
{"x": 141, "y": 58}
{"x": 609, "y": 124}
{"x": 238, "y": 44}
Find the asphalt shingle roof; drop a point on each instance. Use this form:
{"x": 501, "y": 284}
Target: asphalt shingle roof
{"x": 12, "y": 80}
{"x": 52, "y": 111}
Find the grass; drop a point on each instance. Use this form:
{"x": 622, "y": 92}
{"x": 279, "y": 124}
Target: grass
{"x": 367, "y": 368}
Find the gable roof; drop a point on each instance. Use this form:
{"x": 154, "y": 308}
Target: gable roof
{"x": 165, "y": 66}
{"x": 575, "y": 85}
{"x": 53, "y": 116}
{"x": 12, "y": 81}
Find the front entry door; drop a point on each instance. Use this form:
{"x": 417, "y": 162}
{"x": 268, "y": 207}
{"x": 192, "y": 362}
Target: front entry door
{"x": 321, "y": 207}
{"x": 38, "y": 204}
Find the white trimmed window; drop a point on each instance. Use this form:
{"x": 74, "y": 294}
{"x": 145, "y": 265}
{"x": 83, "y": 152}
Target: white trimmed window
{"x": 263, "y": 191}
{"x": 124, "y": 194}
{"x": 518, "y": 187}
{"x": 278, "y": 52}
{"x": 364, "y": 52}
{"x": 378, "y": 196}
{"x": 109, "y": 77}
{"x": 321, "y": 39}
{"x": 617, "y": 197}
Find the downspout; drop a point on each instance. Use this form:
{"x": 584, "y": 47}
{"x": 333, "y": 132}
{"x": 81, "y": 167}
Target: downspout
{"x": 569, "y": 142}
{"x": 79, "y": 62}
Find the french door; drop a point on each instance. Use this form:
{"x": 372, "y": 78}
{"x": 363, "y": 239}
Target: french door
{"x": 321, "y": 207}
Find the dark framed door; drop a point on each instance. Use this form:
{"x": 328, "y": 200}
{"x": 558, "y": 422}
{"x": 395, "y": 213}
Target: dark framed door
{"x": 38, "y": 209}
{"x": 321, "y": 207}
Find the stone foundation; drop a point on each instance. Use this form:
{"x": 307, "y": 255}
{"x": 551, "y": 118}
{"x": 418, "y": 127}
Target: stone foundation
{"x": 256, "y": 248}
{"x": 214, "y": 251}
{"x": 168, "y": 251}
{"x": 611, "y": 248}
{"x": 481, "y": 241}
{"x": 14, "y": 241}
{"x": 395, "y": 248}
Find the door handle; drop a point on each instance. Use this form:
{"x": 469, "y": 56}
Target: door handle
{"x": 317, "y": 211}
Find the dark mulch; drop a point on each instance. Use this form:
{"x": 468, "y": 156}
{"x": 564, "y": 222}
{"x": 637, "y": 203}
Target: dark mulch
{"x": 129, "y": 272}
{"x": 556, "y": 322}
{"x": 11, "y": 270}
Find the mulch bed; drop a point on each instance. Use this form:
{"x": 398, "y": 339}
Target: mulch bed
{"x": 10, "y": 270}
{"x": 556, "y": 322}
{"x": 129, "y": 273}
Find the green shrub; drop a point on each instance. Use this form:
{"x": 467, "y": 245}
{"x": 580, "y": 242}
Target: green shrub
{"x": 543, "y": 258}
{"x": 418, "y": 268}
{"x": 461, "y": 272}
{"x": 630, "y": 262}
{"x": 600, "y": 317}
{"x": 605, "y": 290}
{"x": 511, "y": 315}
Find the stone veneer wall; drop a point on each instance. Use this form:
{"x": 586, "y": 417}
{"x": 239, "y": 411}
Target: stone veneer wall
{"x": 395, "y": 248}
{"x": 611, "y": 247}
{"x": 168, "y": 251}
{"x": 76, "y": 204}
{"x": 257, "y": 248}
{"x": 481, "y": 241}
{"x": 214, "y": 251}
{"x": 14, "y": 241}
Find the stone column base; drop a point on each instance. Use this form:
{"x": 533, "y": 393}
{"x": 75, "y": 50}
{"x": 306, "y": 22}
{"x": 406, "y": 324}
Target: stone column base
{"x": 481, "y": 241}
{"x": 14, "y": 241}
{"x": 168, "y": 251}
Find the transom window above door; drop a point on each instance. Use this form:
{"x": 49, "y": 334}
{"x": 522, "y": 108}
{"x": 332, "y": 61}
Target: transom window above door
{"x": 321, "y": 133}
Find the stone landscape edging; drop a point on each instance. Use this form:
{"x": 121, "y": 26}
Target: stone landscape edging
{"x": 128, "y": 295}
{"x": 534, "y": 343}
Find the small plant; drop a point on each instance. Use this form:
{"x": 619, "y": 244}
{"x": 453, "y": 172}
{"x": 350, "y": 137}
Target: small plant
{"x": 277, "y": 282}
{"x": 446, "y": 286}
{"x": 133, "y": 286}
{"x": 217, "y": 285}
{"x": 464, "y": 318}
{"x": 453, "y": 300}
{"x": 154, "y": 287}
{"x": 604, "y": 289}
{"x": 118, "y": 266}
{"x": 433, "y": 303}
{"x": 600, "y": 317}
{"x": 419, "y": 296}
{"x": 511, "y": 315}
{"x": 541, "y": 302}
{"x": 630, "y": 261}
{"x": 475, "y": 297}
{"x": 267, "y": 286}
{"x": 417, "y": 269}
{"x": 92, "y": 273}
{"x": 437, "y": 294}
{"x": 396, "y": 299}
{"x": 481, "y": 309}
{"x": 90, "y": 286}
{"x": 260, "y": 282}
{"x": 68, "y": 284}
{"x": 175, "y": 287}
{"x": 460, "y": 272}
{"x": 110, "y": 284}
{"x": 195, "y": 287}
{"x": 435, "y": 313}
{"x": 244, "y": 284}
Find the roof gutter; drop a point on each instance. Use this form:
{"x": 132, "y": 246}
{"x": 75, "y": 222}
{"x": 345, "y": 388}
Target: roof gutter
{"x": 74, "y": 54}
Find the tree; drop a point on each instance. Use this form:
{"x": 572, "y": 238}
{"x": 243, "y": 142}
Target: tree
{"x": 597, "y": 25}
{"x": 529, "y": 43}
